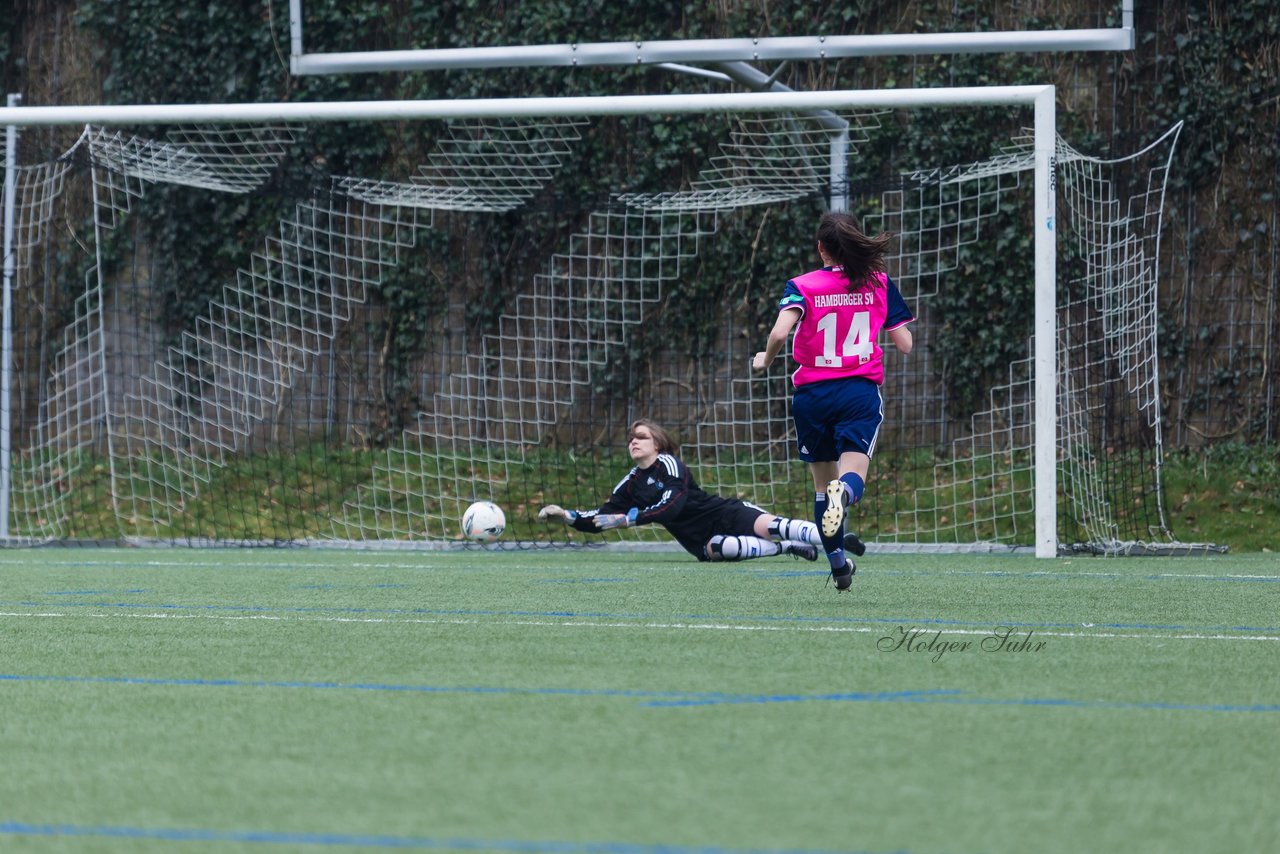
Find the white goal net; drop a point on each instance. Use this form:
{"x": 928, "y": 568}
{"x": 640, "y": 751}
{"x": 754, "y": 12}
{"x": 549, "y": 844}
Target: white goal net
{"x": 263, "y": 415}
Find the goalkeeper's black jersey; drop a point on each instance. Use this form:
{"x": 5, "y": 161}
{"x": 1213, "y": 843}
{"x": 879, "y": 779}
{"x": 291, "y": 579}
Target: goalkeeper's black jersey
{"x": 667, "y": 494}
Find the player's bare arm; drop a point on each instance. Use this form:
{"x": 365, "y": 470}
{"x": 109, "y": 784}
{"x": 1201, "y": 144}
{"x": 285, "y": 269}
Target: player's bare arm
{"x": 901, "y": 338}
{"x": 782, "y": 327}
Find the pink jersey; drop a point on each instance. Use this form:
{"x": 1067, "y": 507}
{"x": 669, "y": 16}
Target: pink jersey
{"x": 836, "y": 336}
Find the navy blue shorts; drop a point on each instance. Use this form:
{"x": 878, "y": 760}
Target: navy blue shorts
{"x": 835, "y": 416}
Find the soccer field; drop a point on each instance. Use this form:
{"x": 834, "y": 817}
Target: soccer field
{"x": 586, "y": 700}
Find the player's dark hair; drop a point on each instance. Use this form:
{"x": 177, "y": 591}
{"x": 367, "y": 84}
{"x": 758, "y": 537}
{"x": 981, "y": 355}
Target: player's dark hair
{"x": 663, "y": 442}
{"x": 858, "y": 255}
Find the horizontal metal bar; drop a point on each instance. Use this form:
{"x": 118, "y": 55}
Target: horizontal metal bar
{"x": 695, "y": 71}
{"x": 615, "y": 105}
{"x": 756, "y": 80}
{"x": 715, "y": 50}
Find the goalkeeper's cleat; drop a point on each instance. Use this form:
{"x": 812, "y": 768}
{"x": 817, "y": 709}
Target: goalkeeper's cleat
{"x": 837, "y": 506}
{"x": 855, "y": 545}
{"x": 797, "y": 549}
{"x": 844, "y": 579}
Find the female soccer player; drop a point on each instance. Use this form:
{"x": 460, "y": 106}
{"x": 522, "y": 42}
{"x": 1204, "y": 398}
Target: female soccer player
{"x": 837, "y": 313}
{"x": 660, "y": 488}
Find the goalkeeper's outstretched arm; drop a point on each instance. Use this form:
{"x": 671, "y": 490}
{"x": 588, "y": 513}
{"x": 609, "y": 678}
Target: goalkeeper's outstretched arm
{"x": 590, "y": 521}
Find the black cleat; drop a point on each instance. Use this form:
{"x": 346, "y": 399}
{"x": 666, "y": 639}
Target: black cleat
{"x": 800, "y": 550}
{"x": 855, "y": 545}
{"x": 844, "y": 580}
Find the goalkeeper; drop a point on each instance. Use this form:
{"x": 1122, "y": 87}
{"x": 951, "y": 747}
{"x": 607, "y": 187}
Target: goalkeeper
{"x": 661, "y": 489}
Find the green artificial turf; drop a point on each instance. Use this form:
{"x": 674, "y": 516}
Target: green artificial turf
{"x": 586, "y": 700}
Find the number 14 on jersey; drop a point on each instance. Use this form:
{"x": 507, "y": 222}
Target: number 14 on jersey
{"x": 855, "y": 342}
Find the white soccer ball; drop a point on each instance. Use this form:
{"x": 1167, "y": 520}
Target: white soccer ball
{"x": 483, "y": 522}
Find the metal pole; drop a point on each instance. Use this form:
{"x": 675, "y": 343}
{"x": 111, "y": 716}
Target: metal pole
{"x": 295, "y": 36}
{"x": 803, "y": 48}
{"x": 839, "y": 200}
{"x": 755, "y": 79}
{"x": 6, "y": 338}
{"x": 1046, "y": 327}
{"x": 839, "y": 157}
{"x": 483, "y": 108}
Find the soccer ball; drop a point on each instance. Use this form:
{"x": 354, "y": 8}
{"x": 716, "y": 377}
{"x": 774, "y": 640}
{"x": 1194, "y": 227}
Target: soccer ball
{"x": 483, "y": 522}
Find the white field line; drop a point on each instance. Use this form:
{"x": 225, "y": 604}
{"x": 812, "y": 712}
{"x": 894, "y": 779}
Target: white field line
{"x": 884, "y": 629}
{"x": 679, "y": 567}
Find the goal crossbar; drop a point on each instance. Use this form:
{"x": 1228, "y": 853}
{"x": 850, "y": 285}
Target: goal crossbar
{"x": 1041, "y": 98}
{"x": 493, "y": 108}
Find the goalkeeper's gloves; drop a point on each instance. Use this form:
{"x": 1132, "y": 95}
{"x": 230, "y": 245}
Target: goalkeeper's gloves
{"x": 605, "y": 521}
{"x": 555, "y": 511}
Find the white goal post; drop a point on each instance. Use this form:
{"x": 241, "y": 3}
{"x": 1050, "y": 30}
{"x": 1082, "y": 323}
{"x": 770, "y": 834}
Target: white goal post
{"x": 1041, "y": 99}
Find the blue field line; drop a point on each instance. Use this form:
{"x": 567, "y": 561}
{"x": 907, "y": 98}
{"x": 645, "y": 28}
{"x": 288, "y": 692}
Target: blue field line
{"x": 1107, "y": 704}
{"x": 664, "y": 699}
{"x": 1032, "y": 575}
{"x": 842, "y": 697}
{"x": 1068, "y": 575}
{"x": 784, "y": 573}
{"x": 360, "y": 840}
{"x": 340, "y": 587}
{"x": 581, "y": 580}
{"x": 957, "y": 697}
{"x": 363, "y": 686}
{"x": 604, "y": 615}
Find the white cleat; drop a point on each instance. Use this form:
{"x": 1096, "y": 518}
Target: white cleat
{"x": 837, "y": 507}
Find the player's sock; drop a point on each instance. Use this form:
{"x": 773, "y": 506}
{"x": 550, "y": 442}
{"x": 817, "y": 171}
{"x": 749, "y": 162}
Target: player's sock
{"x": 833, "y": 546}
{"x": 782, "y": 528}
{"x": 721, "y": 547}
{"x": 854, "y": 483}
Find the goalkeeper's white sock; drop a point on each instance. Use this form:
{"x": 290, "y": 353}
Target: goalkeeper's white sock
{"x": 721, "y": 547}
{"x": 782, "y": 528}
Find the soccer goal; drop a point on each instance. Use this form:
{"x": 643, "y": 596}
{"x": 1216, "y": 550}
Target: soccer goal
{"x": 280, "y": 403}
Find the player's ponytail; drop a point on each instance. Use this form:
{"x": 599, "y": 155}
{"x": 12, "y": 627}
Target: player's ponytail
{"x": 858, "y": 255}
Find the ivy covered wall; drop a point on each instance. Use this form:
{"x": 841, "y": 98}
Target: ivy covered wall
{"x": 1213, "y": 67}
